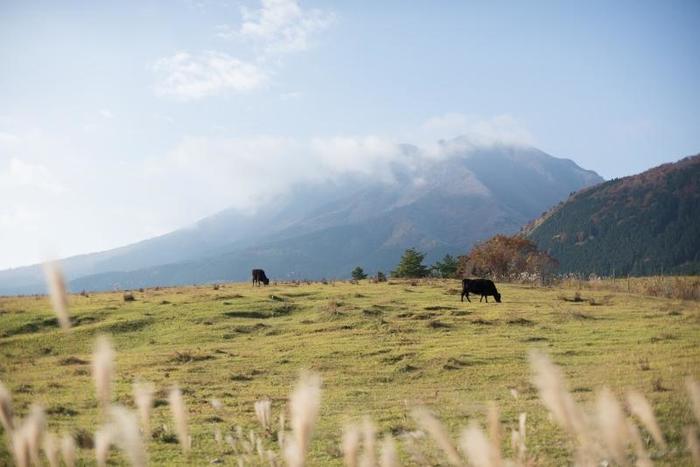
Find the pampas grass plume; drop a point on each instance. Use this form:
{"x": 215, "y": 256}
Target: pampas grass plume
{"x": 304, "y": 404}
{"x": 68, "y": 450}
{"x": 389, "y": 456}
{"x": 552, "y": 388}
{"x": 143, "y": 398}
{"x": 51, "y": 449}
{"x": 103, "y": 370}
{"x": 612, "y": 425}
{"x": 179, "y": 413}
{"x": 350, "y": 444}
{"x": 27, "y": 439}
{"x": 368, "y": 457}
{"x": 263, "y": 412}
{"x": 103, "y": 439}
{"x": 127, "y": 436}
{"x": 57, "y": 292}
{"x": 477, "y": 447}
{"x": 694, "y": 392}
{"x": 6, "y": 414}
{"x": 691, "y": 437}
{"x": 640, "y": 451}
{"x": 437, "y": 431}
{"x": 640, "y": 407}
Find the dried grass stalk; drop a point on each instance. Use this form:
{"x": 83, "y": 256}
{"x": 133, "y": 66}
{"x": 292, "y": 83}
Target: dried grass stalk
{"x": 26, "y": 440}
{"x": 477, "y": 447}
{"x": 691, "y": 438}
{"x": 143, "y": 398}
{"x": 522, "y": 435}
{"x": 368, "y": 457}
{"x": 552, "y": 388}
{"x": 103, "y": 440}
{"x": 350, "y": 444}
{"x": 389, "y": 456}
{"x": 103, "y": 370}
{"x": 68, "y": 450}
{"x": 640, "y": 408}
{"x": 57, "y": 292}
{"x": 263, "y": 412}
{"x": 612, "y": 425}
{"x": 640, "y": 451}
{"x": 179, "y": 413}
{"x": 127, "y": 435}
{"x": 304, "y": 404}
{"x": 694, "y": 392}
{"x": 51, "y": 449}
{"x": 438, "y": 432}
{"x": 6, "y": 414}
{"x": 493, "y": 417}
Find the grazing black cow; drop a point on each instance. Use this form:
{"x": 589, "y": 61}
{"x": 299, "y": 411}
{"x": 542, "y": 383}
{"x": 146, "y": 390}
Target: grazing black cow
{"x": 483, "y": 287}
{"x": 260, "y": 277}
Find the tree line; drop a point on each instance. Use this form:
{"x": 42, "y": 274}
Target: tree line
{"x": 502, "y": 257}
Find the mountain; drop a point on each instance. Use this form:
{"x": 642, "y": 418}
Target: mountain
{"x": 641, "y": 225}
{"x": 324, "y": 229}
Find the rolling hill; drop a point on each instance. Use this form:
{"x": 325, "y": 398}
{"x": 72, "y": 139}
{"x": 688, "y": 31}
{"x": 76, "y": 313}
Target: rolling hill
{"x": 640, "y": 225}
{"x": 325, "y": 229}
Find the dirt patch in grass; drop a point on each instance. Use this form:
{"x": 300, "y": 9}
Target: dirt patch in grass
{"x": 535, "y": 339}
{"x": 61, "y": 411}
{"x": 73, "y": 361}
{"x": 521, "y": 322}
{"x": 186, "y": 357}
{"x": 483, "y": 322}
{"x": 31, "y": 327}
{"x": 129, "y": 326}
{"x": 436, "y": 324}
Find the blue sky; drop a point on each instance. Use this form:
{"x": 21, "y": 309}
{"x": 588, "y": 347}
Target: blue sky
{"x": 124, "y": 120}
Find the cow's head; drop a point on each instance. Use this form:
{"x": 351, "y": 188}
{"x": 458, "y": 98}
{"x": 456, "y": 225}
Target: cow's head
{"x": 266, "y": 281}
{"x": 497, "y": 296}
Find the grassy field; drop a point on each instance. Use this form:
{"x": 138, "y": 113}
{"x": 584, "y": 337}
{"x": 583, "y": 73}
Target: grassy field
{"x": 381, "y": 350}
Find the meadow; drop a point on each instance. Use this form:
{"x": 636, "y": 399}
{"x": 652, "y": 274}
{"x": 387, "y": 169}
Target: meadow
{"x": 381, "y": 350}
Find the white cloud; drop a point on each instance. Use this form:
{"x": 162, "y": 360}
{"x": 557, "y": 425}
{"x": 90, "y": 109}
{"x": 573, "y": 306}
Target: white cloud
{"x": 369, "y": 155}
{"x": 19, "y": 173}
{"x": 282, "y": 25}
{"x": 478, "y": 131}
{"x": 186, "y": 76}
{"x": 106, "y": 114}
{"x": 8, "y": 138}
{"x": 278, "y": 26}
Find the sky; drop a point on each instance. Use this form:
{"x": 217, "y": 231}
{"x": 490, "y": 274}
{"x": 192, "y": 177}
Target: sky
{"x": 124, "y": 120}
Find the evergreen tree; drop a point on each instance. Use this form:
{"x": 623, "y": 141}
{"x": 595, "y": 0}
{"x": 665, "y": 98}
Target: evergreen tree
{"x": 358, "y": 274}
{"x": 447, "y": 268}
{"x": 411, "y": 265}
{"x": 381, "y": 277}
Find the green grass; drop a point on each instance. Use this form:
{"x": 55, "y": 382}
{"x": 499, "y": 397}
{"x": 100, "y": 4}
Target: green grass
{"x": 381, "y": 350}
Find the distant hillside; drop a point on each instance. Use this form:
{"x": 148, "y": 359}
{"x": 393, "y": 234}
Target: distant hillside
{"x": 640, "y": 225}
{"x": 439, "y": 205}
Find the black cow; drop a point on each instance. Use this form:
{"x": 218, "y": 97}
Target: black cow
{"x": 259, "y": 276}
{"x": 483, "y": 287}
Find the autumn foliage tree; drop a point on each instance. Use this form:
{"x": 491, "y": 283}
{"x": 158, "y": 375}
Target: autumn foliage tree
{"x": 506, "y": 257}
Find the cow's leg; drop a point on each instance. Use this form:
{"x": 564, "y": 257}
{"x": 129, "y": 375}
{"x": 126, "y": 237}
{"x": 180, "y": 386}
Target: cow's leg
{"x": 462, "y": 299}
{"x": 468, "y": 298}
{"x": 487, "y": 298}
{"x": 481, "y": 299}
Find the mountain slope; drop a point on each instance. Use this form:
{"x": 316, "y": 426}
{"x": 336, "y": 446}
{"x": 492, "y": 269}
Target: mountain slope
{"x": 325, "y": 229}
{"x": 644, "y": 224}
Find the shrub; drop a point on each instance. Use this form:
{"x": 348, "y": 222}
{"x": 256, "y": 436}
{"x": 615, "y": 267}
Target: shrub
{"x": 358, "y": 274}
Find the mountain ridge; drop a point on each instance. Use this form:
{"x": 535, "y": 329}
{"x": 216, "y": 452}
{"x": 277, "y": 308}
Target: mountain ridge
{"x": 442, "y": 205}
{"x": 641, "y": 224}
